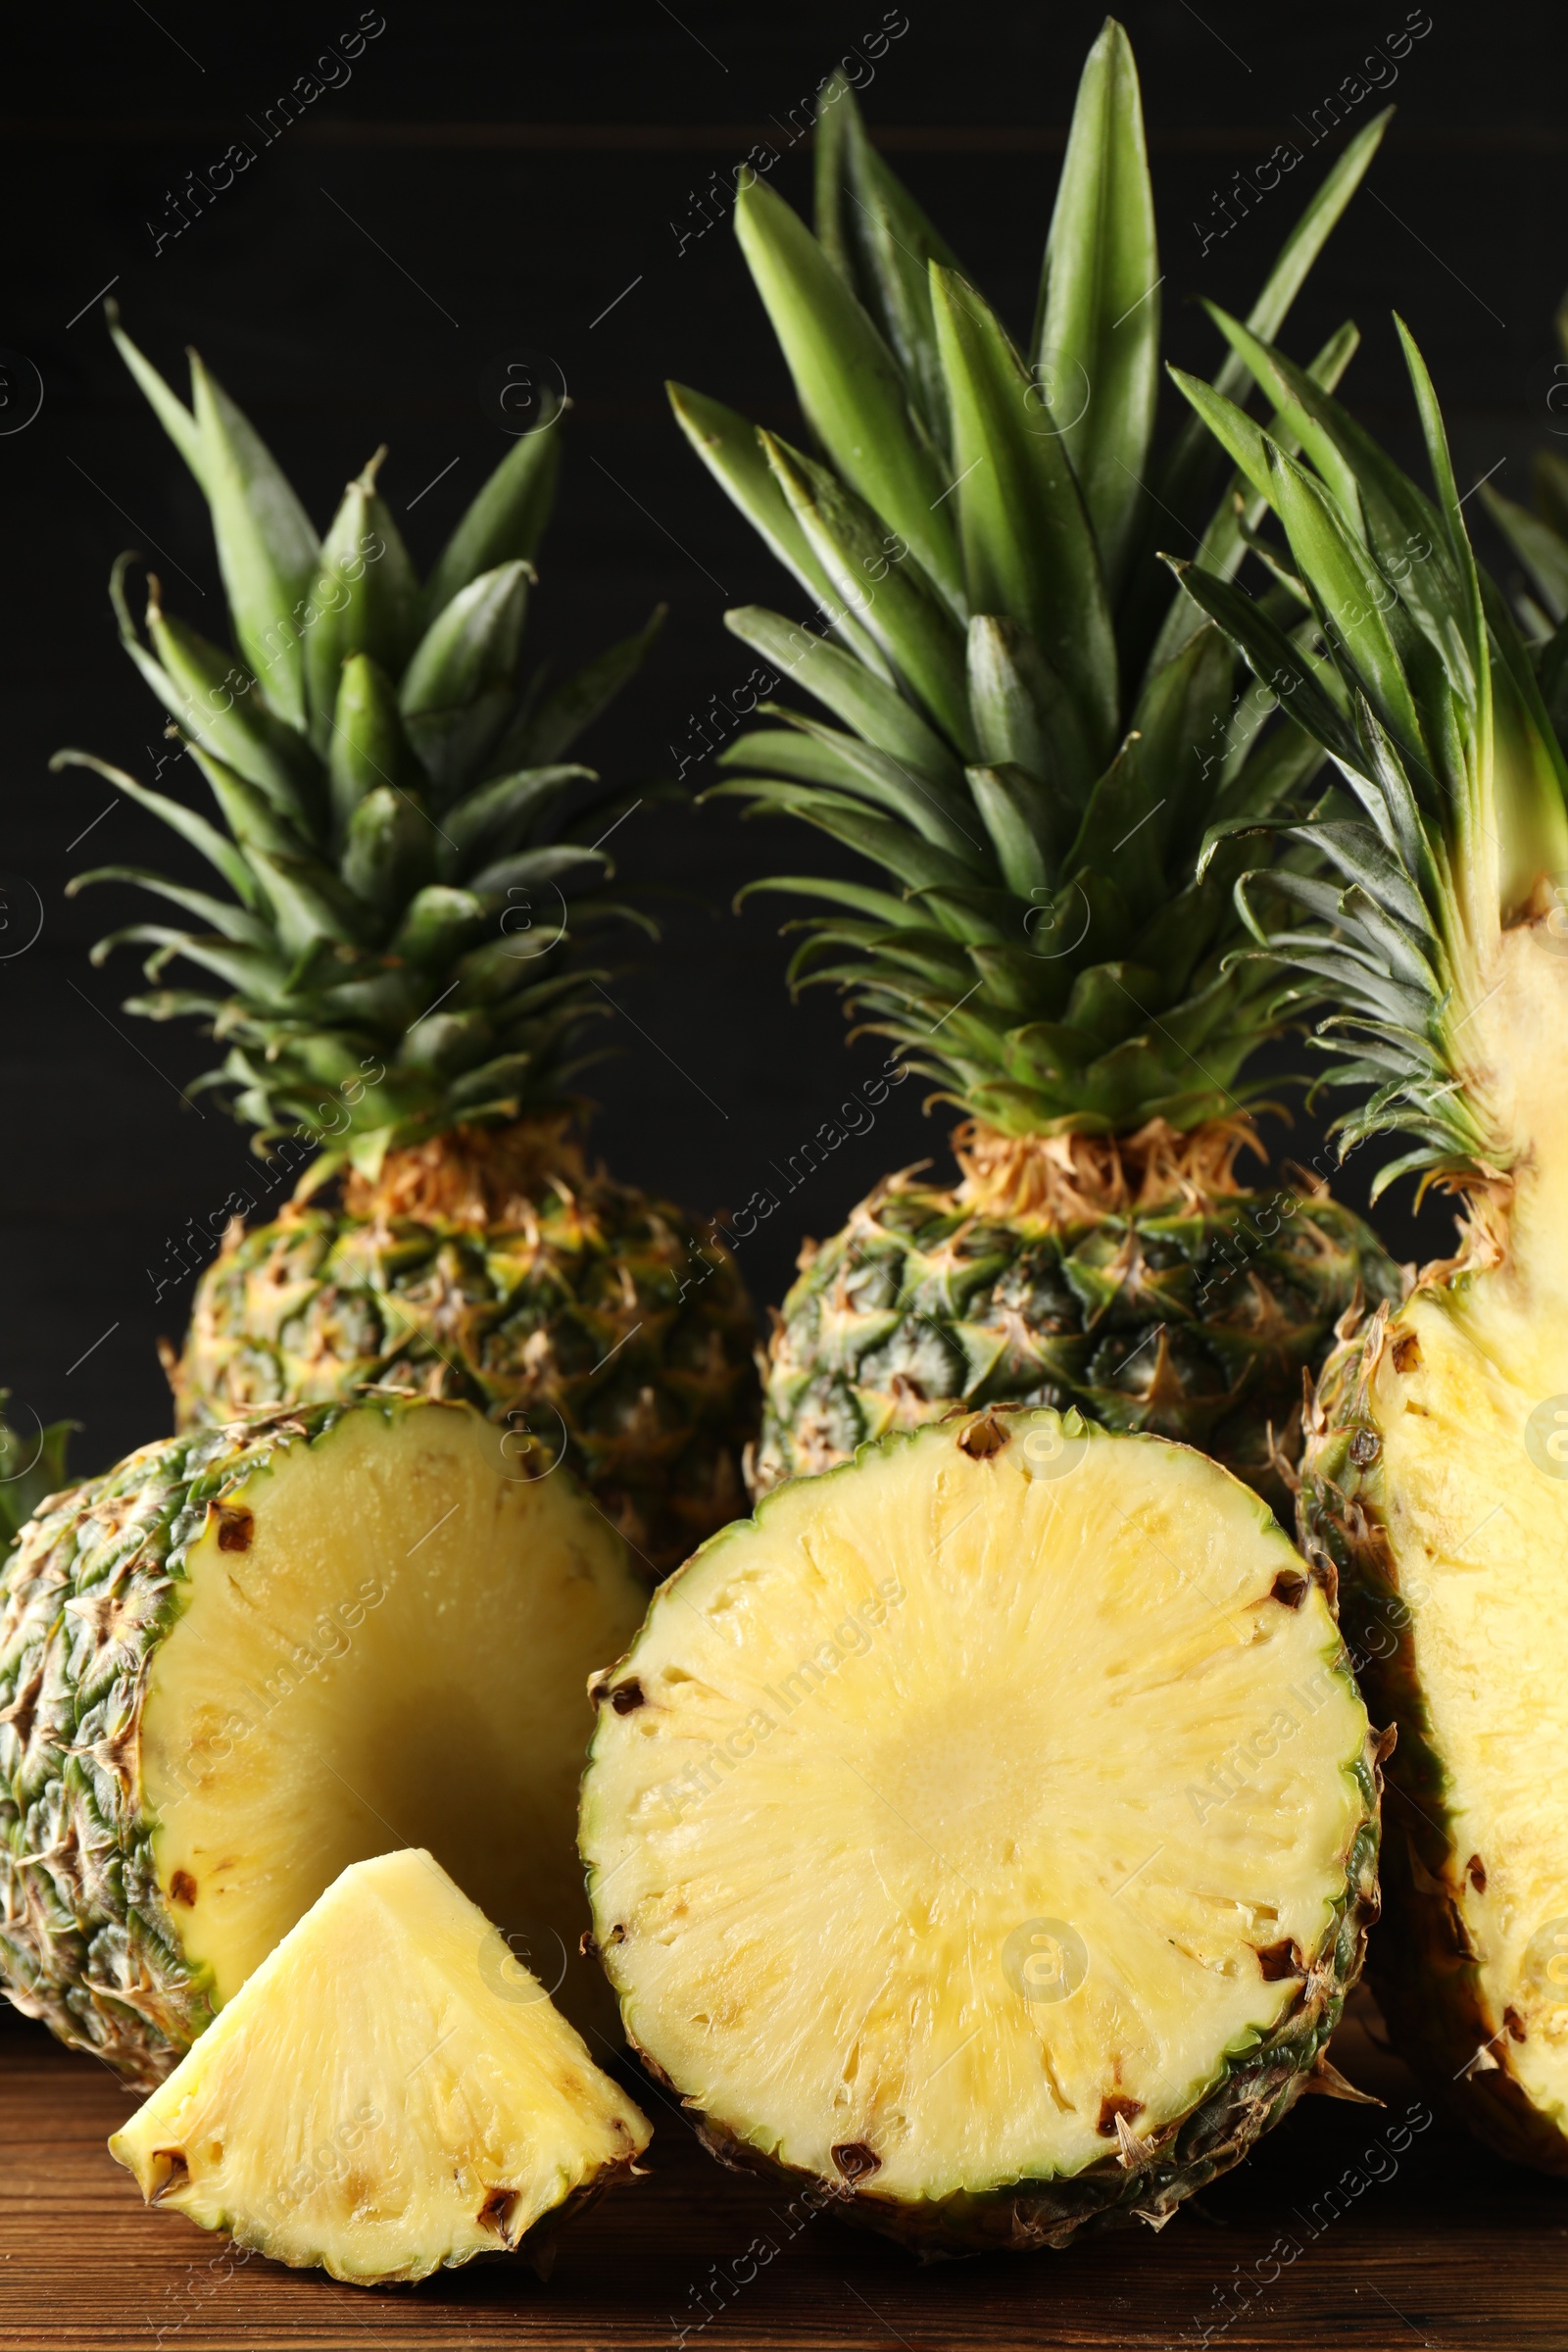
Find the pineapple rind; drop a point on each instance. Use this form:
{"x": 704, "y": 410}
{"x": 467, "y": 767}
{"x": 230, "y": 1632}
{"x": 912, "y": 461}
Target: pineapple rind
{"x": 1447, "y": 2011}
{"x": 1192, "y": 1326}
{"x": 1252, "y": 2084}
{"x": 432, "y": 2077}
{"x": 88, "y": 1941}
{"x": 604, "y": 1321}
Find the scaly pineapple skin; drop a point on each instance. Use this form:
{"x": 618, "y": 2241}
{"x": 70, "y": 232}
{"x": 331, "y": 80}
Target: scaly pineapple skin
{"x": 603, "y": 1324}
{"x": 1421, "y": 1969}
{"x": 1190, "y": 1325}
{"x": 92, "y": 1588}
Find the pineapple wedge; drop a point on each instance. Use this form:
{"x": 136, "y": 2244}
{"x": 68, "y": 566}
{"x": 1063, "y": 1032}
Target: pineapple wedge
{"x": 389, "y": 2094}
{"x": 987, "y": 1830}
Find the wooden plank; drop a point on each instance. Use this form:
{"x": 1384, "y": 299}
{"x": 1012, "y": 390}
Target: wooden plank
{"x": 1351, "y": 2227}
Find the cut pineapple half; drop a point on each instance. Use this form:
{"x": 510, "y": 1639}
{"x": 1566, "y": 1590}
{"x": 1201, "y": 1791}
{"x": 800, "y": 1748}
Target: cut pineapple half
{"x": 987, "y": 1829}
{"x": 247, "y": 1658}
{"x": 389, "y": 2094}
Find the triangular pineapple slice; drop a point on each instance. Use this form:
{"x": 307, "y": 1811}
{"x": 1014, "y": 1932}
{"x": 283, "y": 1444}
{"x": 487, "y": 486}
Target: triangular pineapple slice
{"x": 988, "y": 1828}
{"x": 389, "y": 2094}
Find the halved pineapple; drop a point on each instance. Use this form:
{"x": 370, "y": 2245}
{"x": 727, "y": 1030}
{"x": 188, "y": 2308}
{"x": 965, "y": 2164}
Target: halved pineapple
{"x": 987, "y": 1829}
{"x": 248, "y": 1657}
{"x": 389, "y": 2094}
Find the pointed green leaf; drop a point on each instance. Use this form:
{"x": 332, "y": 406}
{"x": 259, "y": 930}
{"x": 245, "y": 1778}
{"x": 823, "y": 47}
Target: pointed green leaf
{"x": 496, "y": 817}
{"x": 876, "y": 711}
{"x": 267, "y": 549}
{"x": 916, "y": 633}
{"x": 1119, "y": 835}
{"x": 915, "y": 863}
{"x": 253, "y": 819}
{"x": 440, "y": 923}
{"x": 1097, "y": 342}
{"x": 572, "y": 708}
{"x": 171, "y": 413}
{"x": 1283, "y": 282}
{"x": 1180, "y": 724}
{"x": 541, "y": 865}
{"x": 1023, "y": 716}
{"x": 1016, "y": 812}
{"x": 364, "y": 599}
{"x": 1028, "y": 549}
{"x": 257, "y": 976}
{"x": 219, "y": 704}
{"x": 390, "y": 850}
{"x": 847, "y": 383}
{"x": 505, "y": 522}
{"x": 203, "y": 837}
{"x": 308, "y": 902}
{"x": 896, "y": 912}
{"x": 234, "y": 922}
{"x": 1225, "y": 540}
{"x": 1243, "y": 440}
{"x": 1364, "y": 859}
{"x": 460, "y": 683}
{"x": 822, "y": 755}
{"x": 731, "y": 450}
{"x": 1283, "y": 384}
{"x": 369, "y": 744}
{"x": 880, "y": 241}
{"x": 1349, "y": 591}
{"x": 1271, "y": 656}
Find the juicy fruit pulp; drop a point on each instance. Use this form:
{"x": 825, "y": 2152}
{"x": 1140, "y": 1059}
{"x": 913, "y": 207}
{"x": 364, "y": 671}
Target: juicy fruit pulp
{"x": 572, "y": 1307}
{"x": 987, "y": 1829}
{"x": 1437, "y": 1476}
{"x": 390, "y": 2093}
{"x": 1187, "y": 1308}
{"x": 240, "y": 1663}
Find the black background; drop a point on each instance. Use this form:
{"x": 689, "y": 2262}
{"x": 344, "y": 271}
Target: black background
{"x": 509, "y": 172}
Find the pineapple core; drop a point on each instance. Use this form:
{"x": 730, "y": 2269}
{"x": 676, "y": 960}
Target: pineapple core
{"x": 962, "y": 1818}
{"x": 389, "y": 2093}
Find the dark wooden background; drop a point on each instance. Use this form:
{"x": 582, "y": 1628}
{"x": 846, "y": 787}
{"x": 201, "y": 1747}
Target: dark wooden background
{"x": 510, "y": 171}
{"x": 1349, "y": 2229}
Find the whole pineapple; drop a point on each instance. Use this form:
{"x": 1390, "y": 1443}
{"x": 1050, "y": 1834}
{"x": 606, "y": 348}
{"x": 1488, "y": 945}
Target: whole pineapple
{"x": 1037, "y": 737}
{"x": 398, "y": 976}
{"x": 1435, "y": 1477}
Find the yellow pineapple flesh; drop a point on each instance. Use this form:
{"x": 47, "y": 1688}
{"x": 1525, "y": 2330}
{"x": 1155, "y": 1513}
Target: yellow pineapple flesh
{"x": 390, "y": 2093}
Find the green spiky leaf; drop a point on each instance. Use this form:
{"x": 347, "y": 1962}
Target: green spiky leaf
{"x": 377, "y": 825}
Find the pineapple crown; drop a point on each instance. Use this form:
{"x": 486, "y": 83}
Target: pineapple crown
{"x": 1448, "y": 822}
{"x": 1036, "y": 732}
{"x": 398, "y": 826}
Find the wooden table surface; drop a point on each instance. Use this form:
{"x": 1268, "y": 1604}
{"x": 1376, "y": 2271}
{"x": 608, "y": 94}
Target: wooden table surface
{"x": 1351, "y": 2227}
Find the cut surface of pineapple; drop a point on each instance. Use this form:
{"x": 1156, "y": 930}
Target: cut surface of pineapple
{"x": 988, "y": 1828}
{"x": 389, "y": 2093}
{"x": 248, "y": 1657}
{"x": 1438, "y": 1475}
{"x": 401, "y": 1641}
